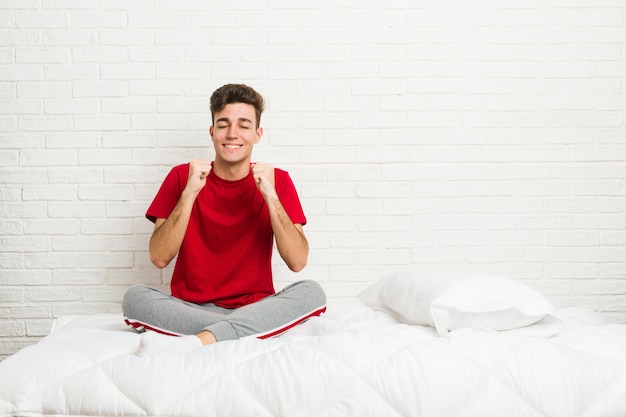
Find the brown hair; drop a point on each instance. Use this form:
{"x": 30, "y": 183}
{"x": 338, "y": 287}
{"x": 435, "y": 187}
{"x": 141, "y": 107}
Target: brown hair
{"x": 237, "y": 93}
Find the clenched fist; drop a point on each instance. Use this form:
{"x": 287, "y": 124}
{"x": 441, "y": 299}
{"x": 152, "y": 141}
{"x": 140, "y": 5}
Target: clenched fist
{"x": 198, "y": 172}
{"x": 264, "y": 178}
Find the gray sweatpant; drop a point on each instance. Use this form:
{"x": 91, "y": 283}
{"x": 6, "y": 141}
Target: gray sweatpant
{"x": 147, "y": 308}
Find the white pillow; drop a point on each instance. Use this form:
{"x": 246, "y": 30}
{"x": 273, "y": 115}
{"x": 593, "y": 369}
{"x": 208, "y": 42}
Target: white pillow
{"x": 449, "y": 300}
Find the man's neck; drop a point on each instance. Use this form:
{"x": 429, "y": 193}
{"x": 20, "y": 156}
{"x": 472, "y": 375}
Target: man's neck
{"x": 231, "y": 172}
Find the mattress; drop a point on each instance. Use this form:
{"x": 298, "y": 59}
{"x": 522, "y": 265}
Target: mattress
{"x": 352, "y": 361}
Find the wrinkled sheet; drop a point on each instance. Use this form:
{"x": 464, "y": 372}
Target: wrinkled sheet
{"x": 352, "y": 361}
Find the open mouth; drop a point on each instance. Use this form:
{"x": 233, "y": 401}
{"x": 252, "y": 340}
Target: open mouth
{"x": 233, "y": 147}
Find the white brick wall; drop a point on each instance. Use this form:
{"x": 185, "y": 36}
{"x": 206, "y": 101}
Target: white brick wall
{"x": 488, "y": 135}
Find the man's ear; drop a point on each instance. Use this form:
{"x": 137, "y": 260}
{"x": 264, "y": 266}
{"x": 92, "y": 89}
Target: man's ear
{"x": 211, "y": 130}
{"x": 259, "y": 133}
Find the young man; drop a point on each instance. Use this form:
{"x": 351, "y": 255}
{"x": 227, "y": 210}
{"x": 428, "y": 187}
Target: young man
{"x": 220, "y": 219}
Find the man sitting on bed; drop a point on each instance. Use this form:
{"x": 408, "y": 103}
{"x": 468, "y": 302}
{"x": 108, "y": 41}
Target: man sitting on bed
{"x": 220, "y": 219}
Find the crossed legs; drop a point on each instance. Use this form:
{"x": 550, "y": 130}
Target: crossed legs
{"x": 146, "y": 308}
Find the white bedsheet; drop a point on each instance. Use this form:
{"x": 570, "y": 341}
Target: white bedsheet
{"x": 352, "y": 361}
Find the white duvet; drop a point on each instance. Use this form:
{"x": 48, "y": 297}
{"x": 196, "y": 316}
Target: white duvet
{"x": 353, "y": 361}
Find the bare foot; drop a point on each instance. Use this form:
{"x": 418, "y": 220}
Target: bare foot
{"x": 153, "y": 342}
{"x": 206, "y": 337}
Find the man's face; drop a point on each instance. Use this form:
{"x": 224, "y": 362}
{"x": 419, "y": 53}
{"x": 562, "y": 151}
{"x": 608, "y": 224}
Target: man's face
{"x": 234, "y": 133}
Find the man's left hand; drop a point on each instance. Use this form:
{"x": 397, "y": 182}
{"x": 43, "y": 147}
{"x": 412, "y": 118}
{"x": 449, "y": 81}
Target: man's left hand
{"x": 264, "y": 178}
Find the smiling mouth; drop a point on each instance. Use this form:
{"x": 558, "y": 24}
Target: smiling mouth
{"x": 233, "y": 147}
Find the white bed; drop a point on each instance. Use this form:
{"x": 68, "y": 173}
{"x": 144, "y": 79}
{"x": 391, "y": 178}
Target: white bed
{"x": 352, "y": 361}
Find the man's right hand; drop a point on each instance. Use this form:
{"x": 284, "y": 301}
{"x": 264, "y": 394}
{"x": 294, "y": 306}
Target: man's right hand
{"x": 198, "y": 172}
{"x": 169, "y": 233}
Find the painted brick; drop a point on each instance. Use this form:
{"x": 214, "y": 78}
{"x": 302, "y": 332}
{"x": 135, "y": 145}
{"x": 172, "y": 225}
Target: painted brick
{"x": 106, "y": 260}
{"x": 99, "y": 89}
{"x": 117, "y": 157}
{"x": 71, "y": 72}
{"x": 12, "y": 329}
{"x": 70, "y": 37}
{"x": 126, "y": 38}
{"x": 104, "y": 54}
{"x": 9, "y": 261}
{"x": 54, "y": 227}
{"x": 41, "y": 19}
{"x": 25, "y": 312}
{"x": 71, "y": 106}
{"x": 106, "y": 226}
{"x": 38, "y": 328}
{"x": 154, "y": 19}
{"x": 77, "y": 276}
{"x": 99, "y": 19}
{"x": 155, "y": 88}
{"x": 39, "y": 294}
{"x": 123, "y": 5}
{"x": 155, "y": 54}
{"x": 20, "y": 72}
{"x": 42, "y": 56}
{"x": 127, "y": 71}
{"x": 105, "y": 192}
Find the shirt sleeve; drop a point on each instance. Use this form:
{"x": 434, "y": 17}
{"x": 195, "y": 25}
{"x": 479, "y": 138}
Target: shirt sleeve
{"x": 289, "y": 197}
{"x": 168, "y": 195}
